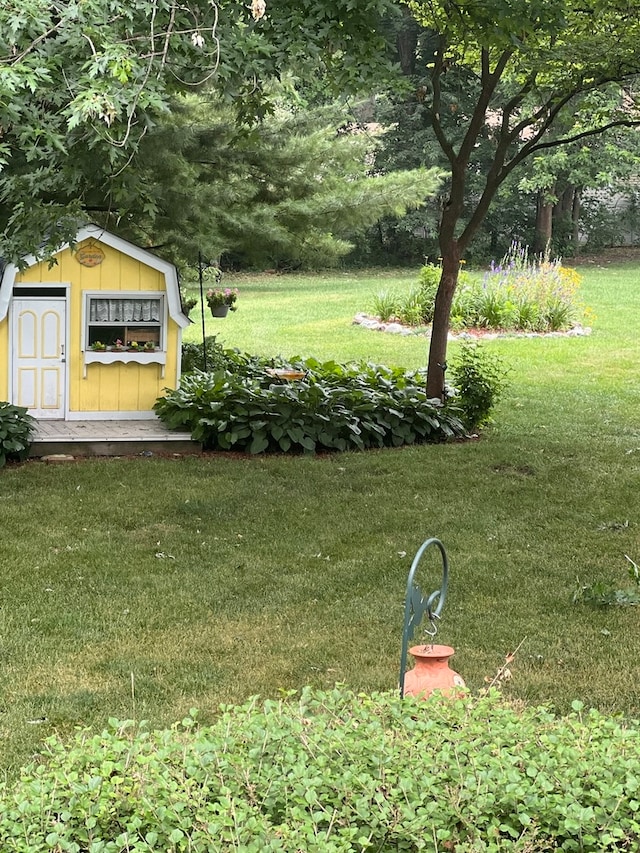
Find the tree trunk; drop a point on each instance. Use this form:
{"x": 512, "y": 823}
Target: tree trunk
{"x": 407, "y": 42}
{"x": 575, "y": 219}
{"x": 440, "y": 327}
{"x": 544, "y": 221}
{"x": 452, "y": 243}
{"x": 566, "y": 200}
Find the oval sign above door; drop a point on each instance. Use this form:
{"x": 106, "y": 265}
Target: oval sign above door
{"x": 90, "y": 256}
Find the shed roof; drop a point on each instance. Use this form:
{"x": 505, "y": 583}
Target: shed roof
{"x": 100, "y": 235}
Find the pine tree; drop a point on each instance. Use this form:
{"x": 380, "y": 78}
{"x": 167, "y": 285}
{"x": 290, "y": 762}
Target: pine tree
{"x": 291, "y": 190}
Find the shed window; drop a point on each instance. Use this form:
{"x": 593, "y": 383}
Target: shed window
{"x": 124, "y": 310}
{"x": 125, "y": 318}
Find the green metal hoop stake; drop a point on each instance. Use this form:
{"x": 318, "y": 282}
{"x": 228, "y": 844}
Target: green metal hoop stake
{"x": 416, "y": 604}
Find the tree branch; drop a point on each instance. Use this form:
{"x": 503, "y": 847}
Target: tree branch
{"x": 489, "y": 81}
{"x": 443, "y": 142}
{"x": 586, "y": 133}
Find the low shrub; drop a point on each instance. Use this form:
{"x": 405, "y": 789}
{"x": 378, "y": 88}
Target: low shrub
{"x": 414, "y": 308}
{"x": 479, "y": 380}
{"x": 336, "y": 772}
{"x": 335, "y": 407}
{"x": 193, "y": 358}
{"x": 428, "y": 283}
{"x": 16, "y": 430}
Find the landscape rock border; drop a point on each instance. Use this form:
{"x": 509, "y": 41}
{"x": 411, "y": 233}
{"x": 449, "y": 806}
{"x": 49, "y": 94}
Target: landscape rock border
{"x": 396, "y": 328}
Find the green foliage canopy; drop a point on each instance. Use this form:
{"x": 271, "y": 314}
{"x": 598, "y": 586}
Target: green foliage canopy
{"x": 81, "y": 84}
{"x": 533, "y": 67}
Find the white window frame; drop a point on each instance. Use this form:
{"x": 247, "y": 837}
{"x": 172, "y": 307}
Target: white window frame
{"x": 159, "y": 356}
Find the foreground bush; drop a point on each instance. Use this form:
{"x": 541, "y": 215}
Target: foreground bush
{"x": 479, "y": 380}
{"x": 334, "y": 407}
{"x": 332, "y": 772}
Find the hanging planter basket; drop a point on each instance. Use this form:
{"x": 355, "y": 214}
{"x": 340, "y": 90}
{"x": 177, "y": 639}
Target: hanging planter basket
{"x": 219, "y": 311}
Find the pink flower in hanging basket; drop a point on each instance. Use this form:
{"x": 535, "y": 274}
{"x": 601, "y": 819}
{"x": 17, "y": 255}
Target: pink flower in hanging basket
{"x": 219, "y": 296}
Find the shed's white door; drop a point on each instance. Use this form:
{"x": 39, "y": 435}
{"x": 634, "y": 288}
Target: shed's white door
{"x": 39, "y": 367}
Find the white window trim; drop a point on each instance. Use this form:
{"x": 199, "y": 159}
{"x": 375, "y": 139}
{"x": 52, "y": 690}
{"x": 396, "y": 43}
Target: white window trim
{"x": 124, "y": 357}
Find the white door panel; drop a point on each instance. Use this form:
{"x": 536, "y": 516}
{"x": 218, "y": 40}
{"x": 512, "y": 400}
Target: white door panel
{"x": 27, "y": 388}
{"x": 39, "y": 368}
{"x": 27, "y": 334}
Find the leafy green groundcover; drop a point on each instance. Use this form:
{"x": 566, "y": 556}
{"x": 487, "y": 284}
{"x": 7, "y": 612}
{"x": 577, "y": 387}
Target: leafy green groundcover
{"x": 240, "y": 406}
{"x": 334, "y": 771}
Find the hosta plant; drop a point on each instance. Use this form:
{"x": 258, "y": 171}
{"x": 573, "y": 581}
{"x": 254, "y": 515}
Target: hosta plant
{"x": 16, "y": 431}
{"x": 241, "y": 406}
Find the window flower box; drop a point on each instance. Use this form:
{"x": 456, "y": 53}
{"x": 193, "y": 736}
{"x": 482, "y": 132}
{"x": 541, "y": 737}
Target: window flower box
{"x": 124, "y": 357}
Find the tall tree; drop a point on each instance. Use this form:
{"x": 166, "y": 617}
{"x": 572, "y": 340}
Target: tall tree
{"x": 562, "y": 176}
{"x": 292, "y": 189}
{"x": 81, "y": 84}
{"x": 530, "y": 66}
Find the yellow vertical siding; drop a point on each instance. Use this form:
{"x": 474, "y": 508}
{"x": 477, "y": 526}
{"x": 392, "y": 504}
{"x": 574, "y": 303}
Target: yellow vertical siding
{"x": 105, "y": 387}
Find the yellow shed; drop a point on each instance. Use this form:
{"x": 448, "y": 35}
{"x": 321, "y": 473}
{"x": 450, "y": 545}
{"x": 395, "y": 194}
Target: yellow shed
{"x": 97, "y": 336}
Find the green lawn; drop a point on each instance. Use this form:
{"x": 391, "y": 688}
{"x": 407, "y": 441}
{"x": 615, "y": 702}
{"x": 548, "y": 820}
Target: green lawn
{"x": 142, "y": 587}
{"x": 312, "y": 316}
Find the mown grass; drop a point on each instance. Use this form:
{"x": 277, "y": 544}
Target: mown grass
{"x": 145, "y": 586}
{"x": 311, "y": 316}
